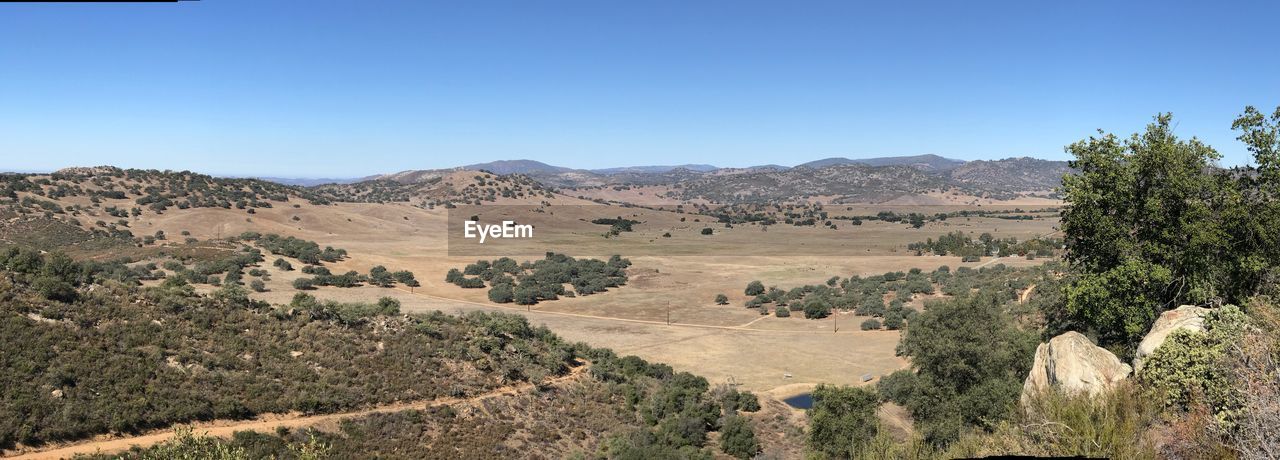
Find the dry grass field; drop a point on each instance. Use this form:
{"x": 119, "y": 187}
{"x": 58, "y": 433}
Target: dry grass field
{"x": 723, "y": 343}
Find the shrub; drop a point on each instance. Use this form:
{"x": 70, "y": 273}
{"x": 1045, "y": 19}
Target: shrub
{"x": 525, "y": 294}
{"x": 871, "y": 324}
{"x": 454, "y": 276}
{"x": 843, "y": 419}
{"x": 1114, "y": 424}
{"x": 379, "y": 276}
{"x": 501, "y": 293}
{"x": 1118, "y": 301}
{"x": 53, "y": 288}
{"x": 722, "y": 299}
{"x": 544, "y": 279}
{"x": 872, "y": 306}
{"x": 970, "y": 350}
{"x": 1189, "y": 366}
{"x": 258, "y": 286}
{"x": 706, "y": 230}
{"x": 782, "y": 312}
{"x": 893, "y": 320}
{"x": 748, "y": 402}
{"x": 406, "y": 278}
{"x": 304, "y": 284}
{"x": 737, "y": 438}
{"x": 754, "y": 288}
{"x": 816, "y": 309}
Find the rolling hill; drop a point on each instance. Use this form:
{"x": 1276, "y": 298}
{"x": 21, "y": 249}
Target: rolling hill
{"x": 848, "y": 180}
{"x": 921, "y": 162}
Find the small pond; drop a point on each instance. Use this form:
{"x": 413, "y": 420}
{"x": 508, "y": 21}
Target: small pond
{"x": 800, "y": 401}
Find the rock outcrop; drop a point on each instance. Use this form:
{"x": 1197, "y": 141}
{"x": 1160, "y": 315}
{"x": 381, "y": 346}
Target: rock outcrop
{"x": 1187, "y": 317}
{"x": 1073, "y": 364}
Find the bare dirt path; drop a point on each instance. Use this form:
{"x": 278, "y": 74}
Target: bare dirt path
{"x": 267, "y": 423}
{"x": 1026, "y": 294}
{"x": 989, "y": 262}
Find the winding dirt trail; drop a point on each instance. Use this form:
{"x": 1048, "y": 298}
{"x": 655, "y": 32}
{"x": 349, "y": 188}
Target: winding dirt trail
{"x": 268, "y": 423}
{"x": 1026, "y": 294}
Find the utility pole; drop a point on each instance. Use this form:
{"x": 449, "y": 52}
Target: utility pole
{"x": 668, "y": 312}
{"x": 835, "y": 324}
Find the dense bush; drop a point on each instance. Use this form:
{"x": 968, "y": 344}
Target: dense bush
{"x": 307, "y": 251}
{"x": 737, "y": 438}
{"x": 501, "y": 293}
{"x": 893, "y": 320}
{"x": 969, "y": 361}
{"x": 1189, "y": 367}
{"x": 866, "y": 295}
{"x": 960, "y": 244}
{"x": 816, "y": 309}
{"x": 842, "y": 420}
{"x": 531, "y": 282}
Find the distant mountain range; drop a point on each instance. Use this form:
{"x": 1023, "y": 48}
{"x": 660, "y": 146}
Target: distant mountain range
{"x": 534, "y": 168}
{"x": 307, "y": 182}
{"x": 921, "y": 162}
{"x": 537, "y": 168}
{"x": 860, "y": 179}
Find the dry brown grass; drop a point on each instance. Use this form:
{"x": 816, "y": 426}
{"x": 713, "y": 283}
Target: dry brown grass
{"x": 709, "y": 340}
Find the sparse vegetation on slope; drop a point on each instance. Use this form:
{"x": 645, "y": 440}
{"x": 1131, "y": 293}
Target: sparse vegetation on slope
{"x": 624, "y": 407}
{"x": 75, "y": 367}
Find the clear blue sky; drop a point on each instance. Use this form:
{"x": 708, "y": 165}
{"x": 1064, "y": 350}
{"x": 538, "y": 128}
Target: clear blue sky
{"x": 341, "y": 89}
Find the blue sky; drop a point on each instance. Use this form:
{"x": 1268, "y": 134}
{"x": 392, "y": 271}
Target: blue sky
{"x": 342, "y": 89}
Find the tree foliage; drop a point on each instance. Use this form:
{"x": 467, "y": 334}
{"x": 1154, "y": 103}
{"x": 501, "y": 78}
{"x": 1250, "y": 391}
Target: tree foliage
{"x": 968, "y": 363}
{"x": 842, "y": 420}
{"x": 530, "y": 282}
{"x": 1152, "y": 223}
{"x": 737, "y": 437}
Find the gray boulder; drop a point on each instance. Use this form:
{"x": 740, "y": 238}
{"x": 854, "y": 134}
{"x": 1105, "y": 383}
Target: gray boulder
{"x": 1072, "y": 363}
{"x": 1189, "y": 317}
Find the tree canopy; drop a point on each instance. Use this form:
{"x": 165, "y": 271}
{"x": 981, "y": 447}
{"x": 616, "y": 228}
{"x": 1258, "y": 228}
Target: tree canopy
{"x": 1151, "y": 223}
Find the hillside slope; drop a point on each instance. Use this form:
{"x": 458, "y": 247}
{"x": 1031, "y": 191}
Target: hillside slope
{"x": 77, "y": 357}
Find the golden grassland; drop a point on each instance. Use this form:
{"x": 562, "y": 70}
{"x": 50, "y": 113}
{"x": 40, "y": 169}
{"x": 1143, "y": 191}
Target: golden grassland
{"x": 727, "y": 343}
